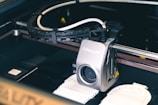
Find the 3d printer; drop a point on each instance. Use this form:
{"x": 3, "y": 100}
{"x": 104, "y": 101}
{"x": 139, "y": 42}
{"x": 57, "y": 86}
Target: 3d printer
{"x": 103, "y": 33}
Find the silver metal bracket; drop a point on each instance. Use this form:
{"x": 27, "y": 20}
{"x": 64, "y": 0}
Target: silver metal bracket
{"x": 95, "y": 65}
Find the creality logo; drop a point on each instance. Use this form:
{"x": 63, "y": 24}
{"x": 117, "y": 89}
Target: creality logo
{"x": 17, "y": 98}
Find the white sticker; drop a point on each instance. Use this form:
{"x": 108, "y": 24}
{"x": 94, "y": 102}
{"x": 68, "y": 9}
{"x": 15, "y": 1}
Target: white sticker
{"x": 14, "y": 72}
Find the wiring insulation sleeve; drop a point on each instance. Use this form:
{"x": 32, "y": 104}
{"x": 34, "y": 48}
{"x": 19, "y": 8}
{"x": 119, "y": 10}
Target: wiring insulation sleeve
{"x": 69, "y": 26}
{"x": 39, "y": 18}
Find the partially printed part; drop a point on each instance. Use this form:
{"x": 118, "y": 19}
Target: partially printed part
{"x": 128, "y": 94}
{"x": 72, "y": 90}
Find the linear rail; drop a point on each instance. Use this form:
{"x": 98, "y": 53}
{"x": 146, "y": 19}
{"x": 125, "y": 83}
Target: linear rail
{"x": 135, "y": 51}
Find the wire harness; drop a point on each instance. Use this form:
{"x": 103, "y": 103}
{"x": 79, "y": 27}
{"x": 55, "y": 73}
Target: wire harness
{"x": 68, "y": 33}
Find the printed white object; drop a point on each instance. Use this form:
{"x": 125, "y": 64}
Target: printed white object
{"x": 72, "y": 90}
{"x": 128, "y": 94}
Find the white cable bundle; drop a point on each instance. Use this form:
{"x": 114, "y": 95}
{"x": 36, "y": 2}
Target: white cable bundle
{"x": 69, "y": 26}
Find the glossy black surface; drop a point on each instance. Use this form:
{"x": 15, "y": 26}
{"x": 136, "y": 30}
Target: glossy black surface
{"x": 56, "y": 67}
{"x": 54, "y": 64}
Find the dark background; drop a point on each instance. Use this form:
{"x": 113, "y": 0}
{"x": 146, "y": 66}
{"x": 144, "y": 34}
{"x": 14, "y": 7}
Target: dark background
{"x": 56, "y": 67}
{"x": 140, "y": 23}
